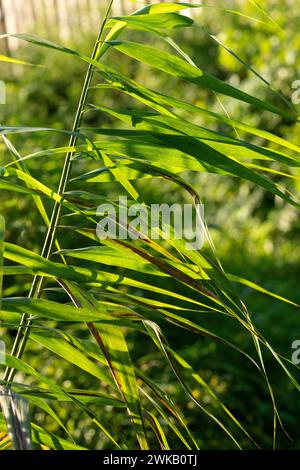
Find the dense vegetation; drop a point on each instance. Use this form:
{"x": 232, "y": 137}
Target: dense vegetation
{"x": 127, "y": 344}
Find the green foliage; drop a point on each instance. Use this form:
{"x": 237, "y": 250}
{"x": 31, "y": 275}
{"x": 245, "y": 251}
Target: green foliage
{"x": 132, "y": 344}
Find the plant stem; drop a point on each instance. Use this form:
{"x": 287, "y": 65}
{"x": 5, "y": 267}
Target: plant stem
{"x": 36, "y": 288}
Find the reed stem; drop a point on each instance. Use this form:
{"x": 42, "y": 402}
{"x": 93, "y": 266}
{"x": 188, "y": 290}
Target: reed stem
{"x": 37, "y": 284}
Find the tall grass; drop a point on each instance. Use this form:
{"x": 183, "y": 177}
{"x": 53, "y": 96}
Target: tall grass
{"x": 113, "y": 287}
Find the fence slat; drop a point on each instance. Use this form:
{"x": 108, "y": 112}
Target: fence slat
{"x": 61, "y": 19}
{"x": 3, "y": 27}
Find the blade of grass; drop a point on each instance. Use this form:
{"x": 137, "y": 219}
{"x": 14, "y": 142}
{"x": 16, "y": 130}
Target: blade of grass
{"x": 22, "y": 335}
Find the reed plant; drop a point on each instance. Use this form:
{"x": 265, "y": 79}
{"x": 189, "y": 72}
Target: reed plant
{"x": 114, "y": 287}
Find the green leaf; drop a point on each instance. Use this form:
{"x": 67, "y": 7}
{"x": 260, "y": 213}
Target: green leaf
{"x": 15, "y": 410}
{"x": 42, "y": 437}
{"x": 253, "y": 285}
{"x": 71, "y": 354}
{"x": 113, "y": 344}
{"x": 2, "y": 235}
{"x": 39, "y": 42}
{"x": 113, "y": 257}
{"x": 59, "y": 312}
{"x": 158, "y": 21}
{"x": 179, "y": 68}
{"x": 12, "y": 60}
{"x": 163, "y": 7}
{"x": 208, "y": 147}
{"x": 20, "y": 365}
{"x": 12, "y": 187}
{"x": 160, "y": 102}
{"x": 119, "y": 176}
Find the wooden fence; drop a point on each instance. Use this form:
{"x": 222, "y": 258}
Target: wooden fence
{"x": 61, "y": 19}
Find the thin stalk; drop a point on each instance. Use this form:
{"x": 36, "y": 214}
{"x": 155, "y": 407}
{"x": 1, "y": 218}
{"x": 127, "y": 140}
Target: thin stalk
{"x": 37, "y": 284}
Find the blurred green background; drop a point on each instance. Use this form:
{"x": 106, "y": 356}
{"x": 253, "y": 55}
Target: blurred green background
{"x": 256, "y": 235}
